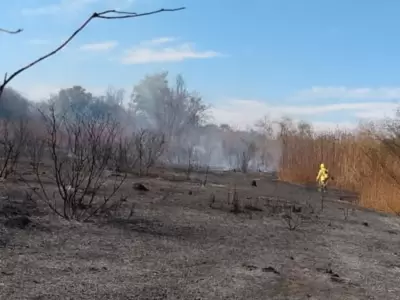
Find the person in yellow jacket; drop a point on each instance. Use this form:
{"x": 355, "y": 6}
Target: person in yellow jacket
{"x": 322, "y": 177}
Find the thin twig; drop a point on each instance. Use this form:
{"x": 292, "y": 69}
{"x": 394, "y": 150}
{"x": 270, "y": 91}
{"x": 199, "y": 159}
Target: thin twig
{"x": 11, "y": 31}
{"x": 101, "y": 15}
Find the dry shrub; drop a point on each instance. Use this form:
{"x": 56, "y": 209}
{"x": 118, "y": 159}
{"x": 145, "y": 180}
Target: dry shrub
{"x": 79, "y": 149}
{"x": 365, "y": 162}
{"x": 149, "y": 146}
{"x": 13, "y": 135}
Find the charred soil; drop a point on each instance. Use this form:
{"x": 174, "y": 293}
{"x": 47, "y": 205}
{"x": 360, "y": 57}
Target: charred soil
{"x": 229, "y": 239}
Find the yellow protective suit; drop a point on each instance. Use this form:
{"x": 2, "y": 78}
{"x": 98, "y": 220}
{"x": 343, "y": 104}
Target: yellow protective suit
{"x": 323, "y": 176}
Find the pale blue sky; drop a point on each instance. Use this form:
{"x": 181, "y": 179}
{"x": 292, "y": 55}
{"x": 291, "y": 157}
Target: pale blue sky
{"x": 326, "y": 61}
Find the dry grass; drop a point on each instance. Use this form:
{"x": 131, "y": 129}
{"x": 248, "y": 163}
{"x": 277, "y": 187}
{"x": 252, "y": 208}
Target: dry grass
{"x": 358, "y": 163}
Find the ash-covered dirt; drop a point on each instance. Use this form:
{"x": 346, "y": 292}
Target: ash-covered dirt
{"x": 183, "y": 242}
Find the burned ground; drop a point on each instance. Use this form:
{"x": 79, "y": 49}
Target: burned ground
{"x": 184, "y": 242}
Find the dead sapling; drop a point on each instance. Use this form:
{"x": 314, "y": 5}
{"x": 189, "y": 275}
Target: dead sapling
{"x": 292, "y": 218}
{"x": 132, "y": 210}
{"x": 236, "y": 207}
{"x": 150, "y": 145}
{"x": 310, "y": 208}
{"x": 126, "y": 157}
{"x": 190, "y": 153}
{"x": 206, "y": 176}
{"x": 322, "y": 197}
{"x": 346, "y": 211}
{"x": 212, "y": 200}
{"x": 13, "y": 137}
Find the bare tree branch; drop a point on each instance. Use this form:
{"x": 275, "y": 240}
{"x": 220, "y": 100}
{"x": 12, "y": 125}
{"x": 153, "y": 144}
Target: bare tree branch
{"x": 11, "y": 31}
{"x": 107, "y": 14}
